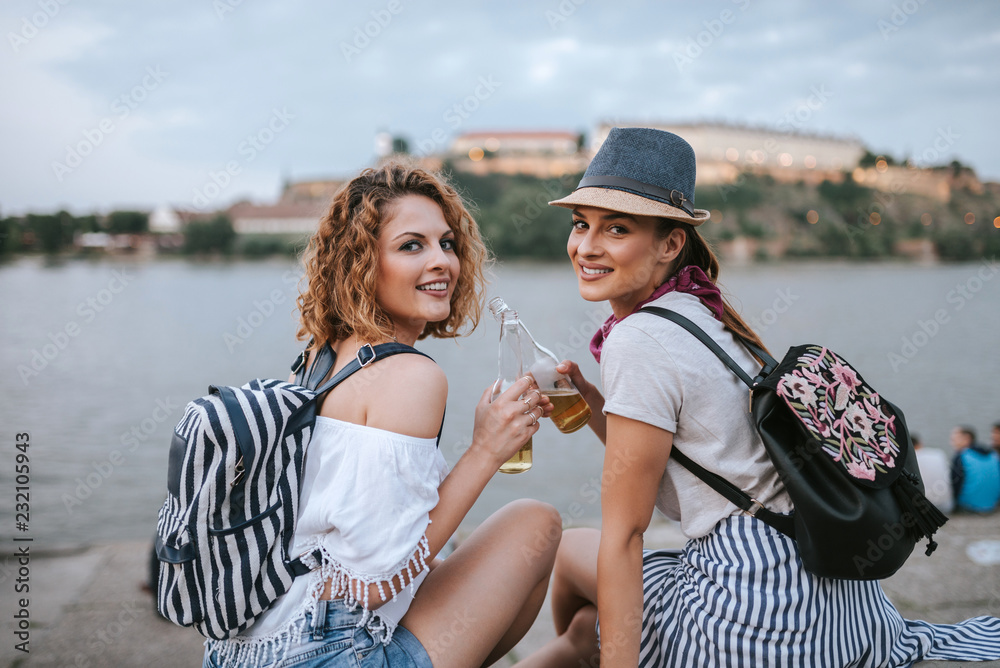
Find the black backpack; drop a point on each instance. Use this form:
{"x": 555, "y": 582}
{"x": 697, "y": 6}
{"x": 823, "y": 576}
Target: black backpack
{"x": 844, "y": 455}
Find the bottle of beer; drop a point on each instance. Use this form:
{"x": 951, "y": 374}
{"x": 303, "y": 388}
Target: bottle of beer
{"x": 570, "y": 412}
{"x": 511, "y": 369}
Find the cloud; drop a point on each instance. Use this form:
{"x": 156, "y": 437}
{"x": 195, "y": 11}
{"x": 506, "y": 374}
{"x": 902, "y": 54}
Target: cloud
{"x": 227, "y": 74}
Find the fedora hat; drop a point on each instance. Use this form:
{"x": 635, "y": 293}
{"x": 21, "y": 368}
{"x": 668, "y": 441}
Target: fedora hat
{"x": 643, "y": 172}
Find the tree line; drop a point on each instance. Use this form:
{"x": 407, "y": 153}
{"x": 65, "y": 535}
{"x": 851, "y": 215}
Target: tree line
{"x": 837, "y": 219}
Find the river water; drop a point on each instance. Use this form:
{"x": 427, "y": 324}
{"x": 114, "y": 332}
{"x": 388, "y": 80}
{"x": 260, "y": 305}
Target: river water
{"x": 99, "y": 358}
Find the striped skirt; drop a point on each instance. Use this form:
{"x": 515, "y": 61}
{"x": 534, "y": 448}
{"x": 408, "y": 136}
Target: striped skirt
{"x": 739, "y": 597}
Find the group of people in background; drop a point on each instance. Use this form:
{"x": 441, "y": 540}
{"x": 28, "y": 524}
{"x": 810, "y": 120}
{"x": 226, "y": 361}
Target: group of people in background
{"x": 970, "y": 482}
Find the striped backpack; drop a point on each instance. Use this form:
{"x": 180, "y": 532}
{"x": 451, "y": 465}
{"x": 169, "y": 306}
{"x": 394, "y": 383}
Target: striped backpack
{"x": 236, "y": 459}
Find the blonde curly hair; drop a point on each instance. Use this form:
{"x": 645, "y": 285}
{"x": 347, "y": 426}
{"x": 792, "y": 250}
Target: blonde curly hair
{"x": 341, "y": 260}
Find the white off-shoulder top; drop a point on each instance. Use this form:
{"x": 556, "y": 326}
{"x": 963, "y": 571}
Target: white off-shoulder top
{"x": 365, "y": 503}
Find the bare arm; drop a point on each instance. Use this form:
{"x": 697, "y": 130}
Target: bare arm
{"x": 500, "y": 429}
{"x": 411, "y": 400}
{"x": 598, "y": 421}
{"x": 635, "y": 457}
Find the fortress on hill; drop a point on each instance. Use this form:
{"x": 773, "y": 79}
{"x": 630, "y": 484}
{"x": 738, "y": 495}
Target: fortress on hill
{"x": 723, "y": 152}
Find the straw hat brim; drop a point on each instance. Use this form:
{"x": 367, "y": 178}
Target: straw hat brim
{"x": 626, "y": 202}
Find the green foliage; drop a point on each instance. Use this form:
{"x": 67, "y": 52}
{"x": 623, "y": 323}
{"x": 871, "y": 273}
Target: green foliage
{"x": 516, "y": 221}
{"x": 744, "y": 193}
{"x": 847, "y": 194}
{"x": 400, "y": 145}
{"x": 51, "y": 232}
{"x": 10, "y": 235}
{"x": 258, "y": 246}
{"x": 752, "y": 228}
{"x": 127, "y": 222}
{"x": 214, "y": 236}
{"x": 514, "y": 216}
{"x": 88, "y": 224}
{"x": 869, "y": 159}
{"x": 956, "y": 245}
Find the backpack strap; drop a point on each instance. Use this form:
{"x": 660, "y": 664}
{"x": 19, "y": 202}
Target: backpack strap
{"x": 742, "y": 500}
{"x": 366, "y": 355}
{"x": 751, "y": 506}
{"x": 241, "y": 428}
{"x": 769, "y": 362}
{"x": 321, "y": 366}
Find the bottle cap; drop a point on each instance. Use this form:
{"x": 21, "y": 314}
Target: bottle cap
{"x": 497, "y": 306}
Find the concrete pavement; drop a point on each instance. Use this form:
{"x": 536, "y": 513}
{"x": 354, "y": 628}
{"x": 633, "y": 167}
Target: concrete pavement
{"x": 88, "y": 609}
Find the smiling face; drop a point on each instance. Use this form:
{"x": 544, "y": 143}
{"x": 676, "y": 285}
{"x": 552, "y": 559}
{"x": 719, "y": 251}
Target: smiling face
{"x": 619, "y": 257}
{"x": 417, "y": 267}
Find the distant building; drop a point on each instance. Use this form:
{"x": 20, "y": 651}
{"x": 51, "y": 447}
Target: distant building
{"x": 722, "y": 151}
{"x": 165, "y": 220}
{"x": 297, "y": 212}
{"x": 311, "y": 192}
{"x": 544, "y": 154}
{"x": 937, "y": 183}
{"x": 287, "y": 218}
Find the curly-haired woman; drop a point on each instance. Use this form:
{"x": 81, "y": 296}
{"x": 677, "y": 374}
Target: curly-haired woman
{"x": 399, "y": 258}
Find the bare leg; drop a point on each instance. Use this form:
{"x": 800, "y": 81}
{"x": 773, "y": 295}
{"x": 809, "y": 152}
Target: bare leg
{"x": 575, "y": 581}
{"x": 575, "y": 648}
{"x": 474, "y": 606}
{"x": 574, "y": 604}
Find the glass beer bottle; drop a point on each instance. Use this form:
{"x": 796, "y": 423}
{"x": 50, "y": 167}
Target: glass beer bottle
{"x": 511, "y": 369}
{"x": 569, "y": 410}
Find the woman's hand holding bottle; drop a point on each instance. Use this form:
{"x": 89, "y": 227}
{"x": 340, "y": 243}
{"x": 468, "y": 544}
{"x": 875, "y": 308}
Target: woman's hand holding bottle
{"x": 590, "y": 394}
{"x": 506, "y": 423}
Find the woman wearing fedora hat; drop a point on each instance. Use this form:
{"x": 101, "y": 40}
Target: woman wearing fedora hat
{"x": 737, "y": 593}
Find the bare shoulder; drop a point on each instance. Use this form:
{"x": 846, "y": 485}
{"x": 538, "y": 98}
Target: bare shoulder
{"x": 407, "y": 395}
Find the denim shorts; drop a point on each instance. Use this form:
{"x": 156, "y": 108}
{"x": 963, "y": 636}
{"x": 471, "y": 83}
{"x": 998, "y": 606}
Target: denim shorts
{"x": 337, "y": 641}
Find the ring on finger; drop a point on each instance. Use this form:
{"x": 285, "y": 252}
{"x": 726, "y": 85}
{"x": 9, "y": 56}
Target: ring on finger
{"x": 534, "y": 420}
{"x": 538, "y": 393}
{"x": 526, "y": 402}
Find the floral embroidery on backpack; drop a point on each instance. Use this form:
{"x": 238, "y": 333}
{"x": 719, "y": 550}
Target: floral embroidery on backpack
{"x": 849, "y": 419}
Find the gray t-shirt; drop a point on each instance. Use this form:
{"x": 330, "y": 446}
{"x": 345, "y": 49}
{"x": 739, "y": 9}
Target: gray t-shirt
{"x": 656, "y": 372}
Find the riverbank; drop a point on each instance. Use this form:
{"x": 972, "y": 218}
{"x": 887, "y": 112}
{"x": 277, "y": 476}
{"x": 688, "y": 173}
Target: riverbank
{"x": 88, "y": 608}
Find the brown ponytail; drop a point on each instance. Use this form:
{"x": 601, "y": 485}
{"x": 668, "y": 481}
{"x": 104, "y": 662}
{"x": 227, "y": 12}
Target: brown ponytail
{"x": 696, "y": 251}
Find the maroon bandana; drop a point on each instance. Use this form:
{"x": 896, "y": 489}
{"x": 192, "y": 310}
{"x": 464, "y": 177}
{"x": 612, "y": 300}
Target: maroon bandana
{"x": 690, "y": 279}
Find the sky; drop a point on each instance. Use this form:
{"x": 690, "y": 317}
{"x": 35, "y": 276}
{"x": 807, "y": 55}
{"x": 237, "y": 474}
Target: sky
{"x": 200, "y": 103}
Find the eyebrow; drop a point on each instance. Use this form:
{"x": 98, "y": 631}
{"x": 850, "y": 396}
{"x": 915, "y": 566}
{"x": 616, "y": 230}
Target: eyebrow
{"x": 611, "y": 215}
{"x": 449, "y": 233}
